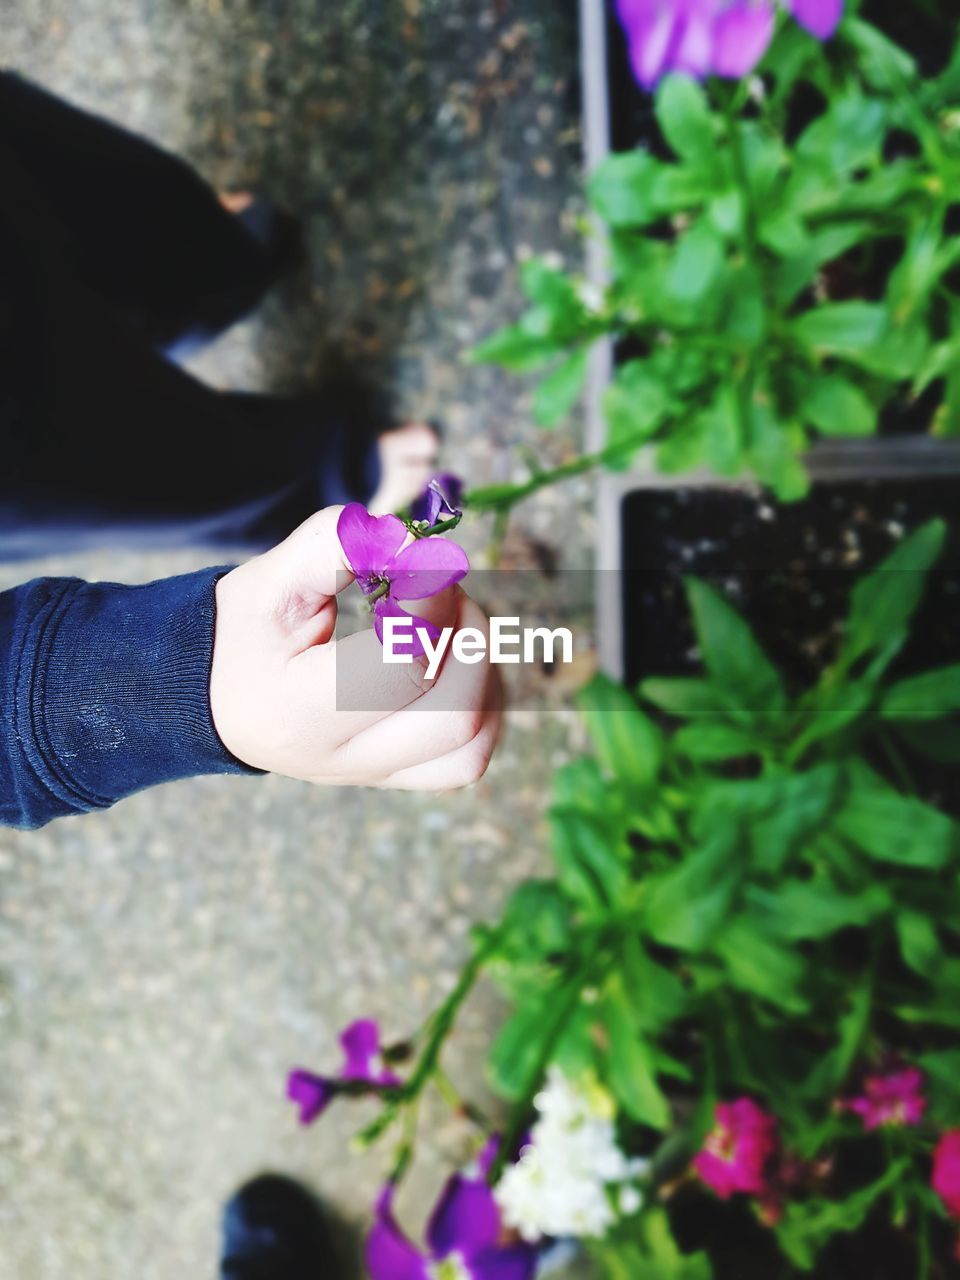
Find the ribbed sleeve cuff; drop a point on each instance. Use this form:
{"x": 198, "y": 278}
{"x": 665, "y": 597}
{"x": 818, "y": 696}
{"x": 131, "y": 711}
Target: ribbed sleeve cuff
{"x": 113, "y": 689}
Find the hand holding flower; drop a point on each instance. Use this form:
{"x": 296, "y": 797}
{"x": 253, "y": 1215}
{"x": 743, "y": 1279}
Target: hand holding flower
{"x": 280, "y": 680}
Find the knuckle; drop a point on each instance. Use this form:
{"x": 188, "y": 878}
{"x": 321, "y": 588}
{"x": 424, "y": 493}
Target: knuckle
{"x": 466, "y": 725}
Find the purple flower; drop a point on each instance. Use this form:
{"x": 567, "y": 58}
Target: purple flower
{"x": 820, "y": 17}
{"x": 362, "y": 1061}
{"x": 440, "y": 500}
{"x": 464, "y": 1239}
{"x": 711, "y": 37}
{"x": 389, "y": 571}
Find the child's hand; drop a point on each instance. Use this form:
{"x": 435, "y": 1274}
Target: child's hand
{"x": 277, "y": 673}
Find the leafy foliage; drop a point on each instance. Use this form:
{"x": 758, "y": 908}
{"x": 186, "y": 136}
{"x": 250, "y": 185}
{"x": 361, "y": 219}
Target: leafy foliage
{"x": 749, "y": 900}
{"x": 774, "y": 277}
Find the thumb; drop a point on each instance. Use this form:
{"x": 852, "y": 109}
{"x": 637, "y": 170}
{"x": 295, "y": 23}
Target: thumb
{"x": 302, "y": 576}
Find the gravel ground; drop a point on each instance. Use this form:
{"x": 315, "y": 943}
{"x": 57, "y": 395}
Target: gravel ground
{"x": 164, "y": 963}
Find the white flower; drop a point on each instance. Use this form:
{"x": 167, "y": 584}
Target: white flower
{"x": 565, "y": 1180}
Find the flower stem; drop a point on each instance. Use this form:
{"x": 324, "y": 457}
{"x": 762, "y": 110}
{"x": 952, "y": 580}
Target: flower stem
{"x": 446, "y": 1016}
{"x": 566, "y": 1003}
{"x": 503, "y": 497}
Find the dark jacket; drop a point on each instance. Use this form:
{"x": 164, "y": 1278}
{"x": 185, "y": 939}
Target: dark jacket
{"x": 104, "y": 690}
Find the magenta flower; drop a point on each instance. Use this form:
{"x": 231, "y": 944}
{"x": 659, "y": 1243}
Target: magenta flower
{"x": 388, "y": 571}
{"x": 820, "y": 17}
{"x": 945, "y": 1179}
{"x": 711, "y": 37}
{"x": 440, "y": 500}
{"x": 895, "y": 1099}
{"x": 738, "y": 1150}
{"x": 464, "y": 1239}
{"x": 363, "y": 1061}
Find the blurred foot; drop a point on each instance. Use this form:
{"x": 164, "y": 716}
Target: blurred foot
{"x": 235, "y": 201}
{"x": 274, "y": 1229}
{"x": 408, "y": 460}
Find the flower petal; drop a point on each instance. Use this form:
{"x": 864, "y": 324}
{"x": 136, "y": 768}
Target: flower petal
{"x": 740, "y": 37}
{"x": 388, "y": 1254}
{"x": 466, "y": 1218}
{"x": 426, "y": 567}
{"x": 519, "y": 1262}
{"x": 651, "y": 42}
{"x": 692, "y": 51}
{"x": 427, "y": 506}
{"x": 368, "y": 542}
{"x": 820, "y": 17}
{"x": 311, "y": 1093}
{"x": 361, "y": 1045}
{"x": 407, "y": 641}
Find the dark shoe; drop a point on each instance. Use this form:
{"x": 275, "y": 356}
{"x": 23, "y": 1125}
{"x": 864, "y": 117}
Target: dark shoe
{"x": 274, "y": 1229}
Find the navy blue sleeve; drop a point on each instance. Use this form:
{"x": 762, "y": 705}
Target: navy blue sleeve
{"x": 104, "y": 690}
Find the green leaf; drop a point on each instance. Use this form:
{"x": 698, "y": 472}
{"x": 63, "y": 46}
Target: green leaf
{"x": 773, "y": 454}
{"x": 686, "y": 698}
{"x": 648, "y": 1252}
{"x": 806, "y": 1226}
{"x": 800, "y": 910}
{"x": 838, "y": 408}
{"x": 558, "y": 392}
{"x": 940, "y": 360}
{"x": 776, "y": 815}
{"x": 942, "y": 1070}
{"x": 883, "y": 63}
{"x": 697, "y": 265}
{"x": 515, "y": 349}
{"x": 687, "y": 905}
{"x": 746, "y": 318}
{"x": 518, "y": 1046}
{"x": 835, "y": 709}
{"x": 630, "y": 1061}
{"x": 589, "y": 864}
{"x": 684, "y": 116}
{"x": 580, "y": 784}
{"x": 824, "y": 245}
{"x": 657, "y": 996}
{"x": 919, "y": 943}
{"x": 725, "y": 212}
{"x": 883, "y": 603}
{"x": 713, "y": 742}
{"x": 761, "y": 965}
{"x": 893, "y": 828}
{"x": 833, "y": 1067}
{"x": 925, "y": 697}
{"x": 628, "y": 743}
{"x": 549, "y": 287}
{"x": 537, "y": 920}
{"x": 847, "y": 136}
{"x": 784, "y": 233}
{"x": 621, "y": 189}
{"x": 634, "y": 404}
{"x": 733, "y": 658}
{"x": 840, "y": 328}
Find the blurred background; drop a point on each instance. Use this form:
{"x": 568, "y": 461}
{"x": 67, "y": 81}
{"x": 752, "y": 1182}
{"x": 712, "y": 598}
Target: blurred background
{"x": 163, "y": 964}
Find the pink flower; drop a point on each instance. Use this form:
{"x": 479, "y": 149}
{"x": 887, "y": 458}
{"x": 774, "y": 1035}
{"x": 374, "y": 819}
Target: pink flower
{"x": 738, "y": 1150}
{"x": 945, "y": 1179}
{"x": 895, "y": 1099}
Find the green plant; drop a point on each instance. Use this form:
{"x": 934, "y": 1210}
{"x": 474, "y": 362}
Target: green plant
{"x": 748, "y": 954}
{"x": 751, "y": 899}
{"x": 780, "y": 271}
